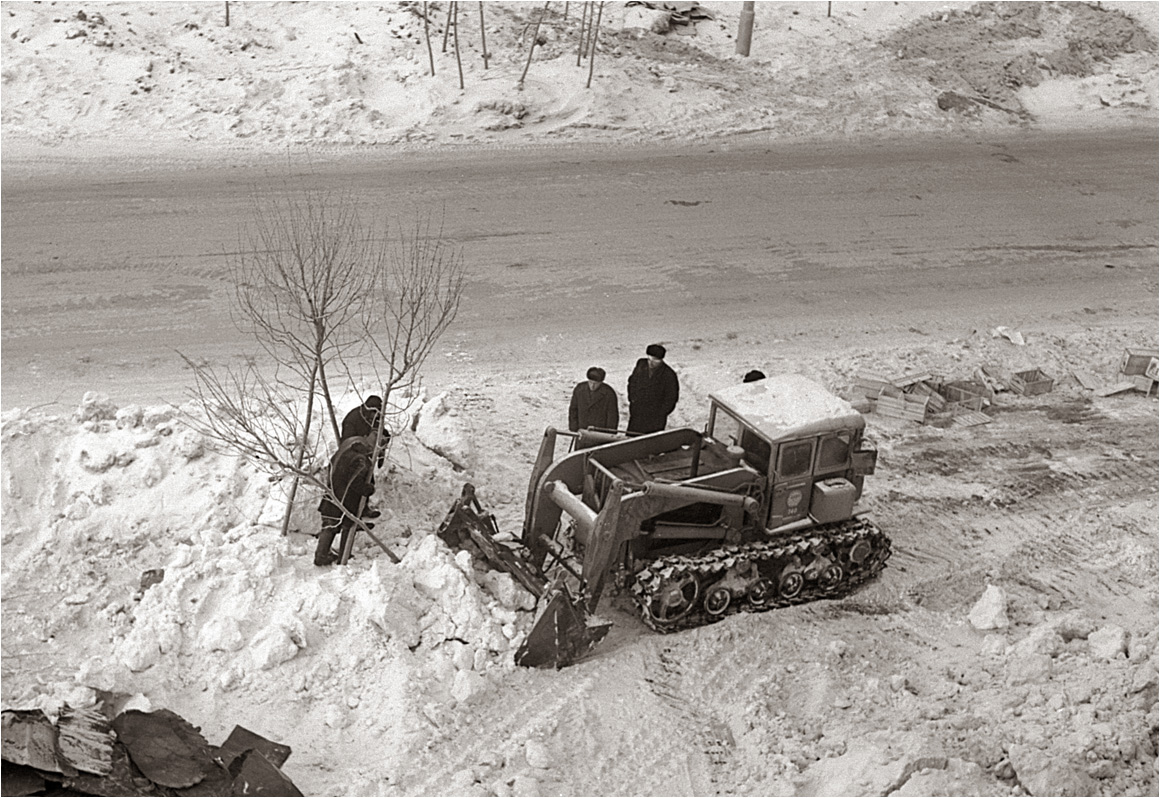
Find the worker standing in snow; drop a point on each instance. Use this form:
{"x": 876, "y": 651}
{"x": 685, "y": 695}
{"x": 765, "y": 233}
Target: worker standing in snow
{"x": 363, "y": 422}
{"x": 351, "y": 480}
{"x": 653, "y": 392}
{"x": 594, "y": 404}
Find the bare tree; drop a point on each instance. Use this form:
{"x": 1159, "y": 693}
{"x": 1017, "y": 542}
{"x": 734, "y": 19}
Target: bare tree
{"x": 301, "y": 276}
{"x": 317, "y": 286}
{"x": 414, "y": 299}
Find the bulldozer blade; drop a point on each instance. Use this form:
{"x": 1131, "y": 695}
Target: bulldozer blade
{"x": 562, "y": 634}
{"x": 468, "y": 522}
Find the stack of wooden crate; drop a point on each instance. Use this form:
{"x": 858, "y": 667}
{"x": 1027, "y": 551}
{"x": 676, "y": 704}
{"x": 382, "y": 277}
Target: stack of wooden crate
{"x": 923, "y": 398}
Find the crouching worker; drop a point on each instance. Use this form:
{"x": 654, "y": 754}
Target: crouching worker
{"x": 351, "y": 480}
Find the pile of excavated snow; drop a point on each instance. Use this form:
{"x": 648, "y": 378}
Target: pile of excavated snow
{"x": 94, "y": 500}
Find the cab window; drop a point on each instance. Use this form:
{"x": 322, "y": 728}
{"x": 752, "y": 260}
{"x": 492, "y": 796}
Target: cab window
{"x": 757, "y": 450}
{"x": 725, "y": 428}
{"x": 834, "y": 451}
{"x": 794, "y": 459}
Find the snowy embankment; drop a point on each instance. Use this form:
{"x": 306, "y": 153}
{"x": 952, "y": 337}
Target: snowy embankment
{"x": 163, "y": 561}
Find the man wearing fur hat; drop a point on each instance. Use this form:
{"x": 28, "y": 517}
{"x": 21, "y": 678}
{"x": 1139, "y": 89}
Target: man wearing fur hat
{"x": 593, "y": 404}
{"x": 652, "y": 392}
{"x": 363, "y": 422}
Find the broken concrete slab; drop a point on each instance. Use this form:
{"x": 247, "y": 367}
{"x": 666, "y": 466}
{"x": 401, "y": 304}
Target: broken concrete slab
{"x": 167, "y": 749}
{"x": 29, "y": 738}
{"x": 242, "y": 740}
{"x": 255, "y": 775}
{"x": 20, "y": 780}
{"x": 86, "y": 740}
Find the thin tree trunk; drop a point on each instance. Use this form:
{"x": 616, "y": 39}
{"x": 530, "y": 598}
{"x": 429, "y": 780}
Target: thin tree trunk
{"x": 329, "y": 403}
{"x": 427, "y": 36}
{"x": 447, "y": 25}
{"x": 301, "y": 451}
{"x": 595, "y": 36}
{"x": 483, "y": 34}
{"x": 458, "y": 60}
{"x": 227, "y": 13}
{"x": 588, "y": 30}
{"x": 583, "y": 24}
{"x": 535, "y": 37}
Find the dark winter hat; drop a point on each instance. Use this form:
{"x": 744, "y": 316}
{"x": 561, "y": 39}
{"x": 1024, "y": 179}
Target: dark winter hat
{"x": 655, "y": 350}
{"x": 754, "y": 376}
{"x": 374, "y": 401}
{"x": 596, "y": 373}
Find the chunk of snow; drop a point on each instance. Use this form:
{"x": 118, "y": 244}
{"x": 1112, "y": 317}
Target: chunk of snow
{"x": 990, "y": 611}
{"x": 95, "y": 407}
{"x": 1108, "y": 642}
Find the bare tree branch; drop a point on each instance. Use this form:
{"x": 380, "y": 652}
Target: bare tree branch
{"x": 320, "y": 290}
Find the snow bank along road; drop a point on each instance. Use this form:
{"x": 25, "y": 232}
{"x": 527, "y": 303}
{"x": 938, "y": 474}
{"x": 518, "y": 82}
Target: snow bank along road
{"x": 107, "y": 271}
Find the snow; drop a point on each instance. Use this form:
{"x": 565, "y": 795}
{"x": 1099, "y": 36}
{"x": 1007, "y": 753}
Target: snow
{"x": 789, "y": 404}
{"x": 139, "y": 80}
{"x": 399, "y": 679}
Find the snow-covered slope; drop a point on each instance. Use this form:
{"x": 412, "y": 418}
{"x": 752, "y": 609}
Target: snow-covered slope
{"x": 141, "y": 77}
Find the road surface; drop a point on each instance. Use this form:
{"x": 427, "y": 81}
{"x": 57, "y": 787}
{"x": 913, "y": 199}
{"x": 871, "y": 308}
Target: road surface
{"x": 108, "y": 273}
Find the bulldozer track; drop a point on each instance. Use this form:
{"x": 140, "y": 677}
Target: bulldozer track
{"x": 708, "y": 569}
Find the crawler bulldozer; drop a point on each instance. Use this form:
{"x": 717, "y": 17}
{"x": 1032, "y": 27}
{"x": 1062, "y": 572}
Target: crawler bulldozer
{"x": 755, "y": 512}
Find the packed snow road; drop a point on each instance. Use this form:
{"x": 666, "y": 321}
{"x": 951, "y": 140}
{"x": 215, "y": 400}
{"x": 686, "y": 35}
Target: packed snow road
{"x": 107, "y": 271}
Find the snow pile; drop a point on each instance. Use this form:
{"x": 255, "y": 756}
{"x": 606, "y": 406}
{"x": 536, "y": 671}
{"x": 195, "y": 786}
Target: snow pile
{"x": 173, "y": 77}
{"x": 148, "y": 546}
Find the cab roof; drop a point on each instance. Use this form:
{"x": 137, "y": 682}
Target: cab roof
{"x": 789, "y": 406}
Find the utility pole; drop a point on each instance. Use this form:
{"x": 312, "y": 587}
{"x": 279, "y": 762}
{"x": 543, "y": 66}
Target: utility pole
{"x": 745, "y": 29}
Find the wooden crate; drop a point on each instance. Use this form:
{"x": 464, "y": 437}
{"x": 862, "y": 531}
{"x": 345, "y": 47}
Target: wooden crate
{"x": 1031, "y": 383}
{"x": 967, "y": 391}
{"x": 870, "y": 384}
{"x": 970, "y": 419}
{"x": 972, "y": 405}
{"x": 1153, "y": 370}
{"x": 936, "y": 403}
{"x": 896, "y": 404}
{"x": 1135, "y": 361}
{"x": 1142, "y": 383}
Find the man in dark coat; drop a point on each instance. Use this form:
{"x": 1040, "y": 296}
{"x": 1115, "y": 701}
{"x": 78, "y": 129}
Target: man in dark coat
{"x": 593, "y": 404}
{"x": 363, "y": 422}
{"x": 652, "y": 392}
{"x": 351, "y": 479}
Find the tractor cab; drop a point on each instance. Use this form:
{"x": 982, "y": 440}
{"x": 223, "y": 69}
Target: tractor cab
{"x": 807, "y": 443}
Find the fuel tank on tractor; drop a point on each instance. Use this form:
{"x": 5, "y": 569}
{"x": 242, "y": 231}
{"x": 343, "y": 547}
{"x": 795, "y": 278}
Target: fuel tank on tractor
{"x": 757, "y": 511}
